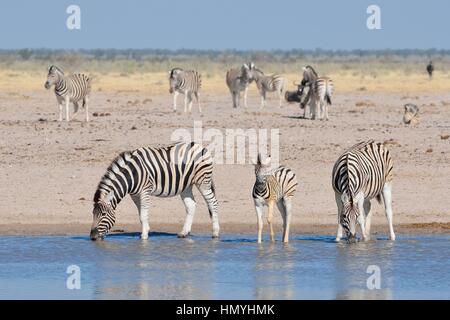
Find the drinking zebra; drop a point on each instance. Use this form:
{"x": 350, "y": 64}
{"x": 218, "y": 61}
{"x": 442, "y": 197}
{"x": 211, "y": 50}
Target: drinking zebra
{"x": 270, "y": 83}
{"x": 155, "y": 171}
{"x": 186, "y": 82}
{"x": 238, "y": 80}
{"x": 273, "y": 186}
{"x": 72, "y": 88}
{"x": 363, "y": 172}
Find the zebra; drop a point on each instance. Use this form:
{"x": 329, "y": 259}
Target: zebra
{"x": 411, "y": 114}
{"x": 430, "y": 69}
{"x": 164, "y": 171}
{"x": 186, "y": 82}
{"x": 72, "y": 88}
{"x": 361, "y": 173}
{"x": 238, "y": 80}
{"x": 273, "y": 186}
{"x": 270, "y": 83}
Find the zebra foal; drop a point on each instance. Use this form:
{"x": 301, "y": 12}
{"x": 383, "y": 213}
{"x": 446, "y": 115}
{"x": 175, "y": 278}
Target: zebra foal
{"x": 273, "y": 186}
{"x": 69, "y": 89}
{"x": 155, "y": 171}
{"x": 272, "y": 83}
{"x": 361, "y": 173}
{"x": 188, "y": 83}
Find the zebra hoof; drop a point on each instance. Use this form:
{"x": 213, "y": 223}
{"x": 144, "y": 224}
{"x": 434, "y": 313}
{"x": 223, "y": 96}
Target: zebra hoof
{"x": 182, "y": 235}
{"x": 215, "y": 236}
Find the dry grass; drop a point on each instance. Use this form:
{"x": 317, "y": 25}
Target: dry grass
{"x": 397, "y": 81}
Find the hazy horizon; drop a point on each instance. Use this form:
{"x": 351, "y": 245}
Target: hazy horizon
{"x": 225, "y": 25}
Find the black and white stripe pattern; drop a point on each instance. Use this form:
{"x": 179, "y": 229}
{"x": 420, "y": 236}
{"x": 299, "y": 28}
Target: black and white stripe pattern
{"x": 273, "y": 186}
{"x": 363, "y": 172}
{"x": 72, "y": 88}
{"x": 316, "y": 92}
{"x": 155, "y": 171}
{"x": 272, "y": 83}
{"x": 188, "y": 83}
{"x": 238, "y": 80}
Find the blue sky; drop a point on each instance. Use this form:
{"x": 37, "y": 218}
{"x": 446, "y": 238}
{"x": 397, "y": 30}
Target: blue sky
{"x": 225, "y": 24}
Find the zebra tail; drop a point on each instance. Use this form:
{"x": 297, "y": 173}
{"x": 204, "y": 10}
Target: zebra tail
{"x": 328, "y": 98}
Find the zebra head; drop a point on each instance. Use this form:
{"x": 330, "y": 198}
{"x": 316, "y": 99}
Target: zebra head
{"x": 349, "y": 216}
{"x": 309, "y": 75}
{"x": 247, "y": 72}
{"x": 263, "y": 167}
{"x": 103, "y": 219}
{"x": 304, "y": 94}
{"x": 53, "y": 76}
{"x": 174, "y": 79}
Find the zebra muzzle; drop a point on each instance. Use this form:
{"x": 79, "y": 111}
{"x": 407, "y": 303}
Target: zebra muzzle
{"x": 95, "y": 235}
{"x": 47, "y": 85}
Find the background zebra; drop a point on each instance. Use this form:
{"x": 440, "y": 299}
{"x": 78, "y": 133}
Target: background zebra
{"x": 270, "y": 83}
{"x": 361, "y": 173}
{"x": 238, "y": 80}
{"x": 155, "y": 171}
{"x": 316, "y": 92}
{"x": 186, "y": 82}
{"x": 411, "y": 114}
{"x": 273, "y": 186}
{"x": 72, "y": 88}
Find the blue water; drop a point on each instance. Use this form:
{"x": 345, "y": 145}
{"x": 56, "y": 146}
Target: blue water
{"x": 234, "y": 267}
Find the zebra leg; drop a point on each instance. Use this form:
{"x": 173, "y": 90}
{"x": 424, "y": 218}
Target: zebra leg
{"x": 280, "y": 96}
{"x": 76, "y": 107}
{"x": 67, "y": 109}
{"x": 197, "y": 97}
{"x": 208, "y": 193}
{"x": 175, "y": 95}
{"x": 259, "y": 207}
{"x": 270, "y": 220}
{"x": 387, "y": 197}
{"x": 285, "y": 207}
{"x": 362, "y": 218}
{"x": 185, "y": 102}
{"x": 190, "y": 204}
{"x": 263, "y": 99}
{"x": 245, "y": 96}
{"x": 190, "y": 101}
{"x": 142, "y": 202}
{"x": 340, "y": 207}
{"x": 368, "y": 214}
{"x": 86, "y": 106}
{"x": 60, "y": 111}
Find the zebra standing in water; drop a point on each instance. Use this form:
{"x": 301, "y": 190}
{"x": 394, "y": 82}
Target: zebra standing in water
{"x": 72, "y": 88}
{"x": 363, "y": 172}
{"x": 268, "y": 84}
{"x": 155, "y": 171}
{"x": 186, "y": 82}
{"x": 316, "y": 92}
{"x": 273, "y": 186}
{"x": 238, "y": 80}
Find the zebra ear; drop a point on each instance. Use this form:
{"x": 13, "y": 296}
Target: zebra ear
{"x": 252, "y": 65}
{"x": 304, "y": 68}
{"x": 245, "y": 66}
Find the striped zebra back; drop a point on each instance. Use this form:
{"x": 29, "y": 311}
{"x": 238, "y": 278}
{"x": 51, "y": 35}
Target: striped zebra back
{"x": 268, "y": 83}
{"x": 78, "y": 86}
{"x": 280, "y": 183}
{"x": 161, "y": 171}
{"x": 323, "y": 88}
{"x": 365, "y": 167}
{"x": 185, "y": 80}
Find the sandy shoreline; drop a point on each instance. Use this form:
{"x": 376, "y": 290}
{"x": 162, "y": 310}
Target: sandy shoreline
{"x": 50, "y": 170}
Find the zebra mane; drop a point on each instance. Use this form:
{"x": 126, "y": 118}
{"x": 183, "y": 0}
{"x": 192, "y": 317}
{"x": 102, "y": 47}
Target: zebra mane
{"x": 57, "y": 69}
{"x": 311, "y": 69}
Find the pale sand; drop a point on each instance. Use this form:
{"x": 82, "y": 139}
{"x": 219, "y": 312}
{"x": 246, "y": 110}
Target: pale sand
{"x": 50, "y": 170}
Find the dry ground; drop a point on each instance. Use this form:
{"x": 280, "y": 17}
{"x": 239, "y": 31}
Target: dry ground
{"x": 49, "y": 170}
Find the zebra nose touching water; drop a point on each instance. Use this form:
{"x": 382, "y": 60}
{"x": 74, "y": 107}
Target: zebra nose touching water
{"x": 188, "y": 83}
{"x": 273, "y": 186}
{"x": 69, "y": 89}
{"x": 361, "y": 173}
{"x": 155, "y": 171}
